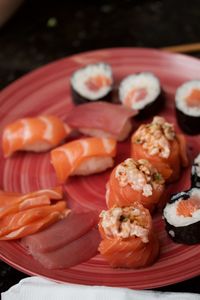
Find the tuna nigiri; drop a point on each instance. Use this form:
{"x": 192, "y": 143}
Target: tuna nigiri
{"x": 34, "y": 134}
{"x": 102, "y": 119}
{"x": 134, "y": 181}
{"x": 158, "y": 143}
{"x": 83, "y": 157}
{"x": 128, "y": 240}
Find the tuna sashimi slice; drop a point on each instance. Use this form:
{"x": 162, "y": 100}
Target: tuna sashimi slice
{"x": 62, "y": 233}
{"x": 72, "y": 254}
{"x": 104, "y": 116}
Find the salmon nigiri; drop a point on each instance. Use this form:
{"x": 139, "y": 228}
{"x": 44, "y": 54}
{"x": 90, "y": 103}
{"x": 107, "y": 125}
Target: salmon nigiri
{"x": 34, "y": 134}
{"x": 128, "y": 240}
{"x": 83, "y": 157}
{"x": 134, "y": 181}
{"x": 158, "y": 143}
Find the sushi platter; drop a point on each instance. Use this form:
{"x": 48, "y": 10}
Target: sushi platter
{"x": 89, "y": 189}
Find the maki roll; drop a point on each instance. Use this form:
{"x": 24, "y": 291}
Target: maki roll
{"x": 187, "y": 101}
{"x": 182, "y": 217}
{"x": 134, "y": 181}
{"x": 142, "y": 92}
{"x": 128, "y": 239}
{"x": 92, "y": 83}
{"x": 195, "y": 178}
{"x": 161, "y": 146}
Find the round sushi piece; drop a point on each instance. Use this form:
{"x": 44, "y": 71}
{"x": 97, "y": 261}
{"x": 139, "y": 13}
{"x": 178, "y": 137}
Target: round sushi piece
{"x": 142, "y": 91}
{"x": 93, "y": 82}
{"x": 134, "y": 181}
{"x": 182, "y": 217}
{"x": 195, "y": 178}
{"x": 187, "y": 101}
{"x": 128, "y": 239}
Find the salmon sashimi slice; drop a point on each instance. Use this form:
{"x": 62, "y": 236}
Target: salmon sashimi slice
{"x": 193, "y": 99}
{"x": 12, "y": 197}
{"x": 76, "y": 252}
{"x": 33, "y": 227}
{"x": 17, "y": 220}
{"x": 134, "y": 181}
{"x": 128, "y": 240}
{"x": 34, "y": 134}
{"x": 68, "y": 158}
{"x": 187, "y": 207}
{"x": 62, "y": 233}
{"x": 14, "y": 207}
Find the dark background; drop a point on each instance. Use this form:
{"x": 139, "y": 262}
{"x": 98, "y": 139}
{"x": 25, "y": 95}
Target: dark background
{"x": 29, "y": 40}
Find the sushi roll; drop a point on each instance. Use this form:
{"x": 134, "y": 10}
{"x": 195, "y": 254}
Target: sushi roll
{"x": 128, "y": 240}
{"x": 161, "y": 146}
{"x": 83, "y": 157}
{"x": 142, "y": 91}
{"x": 134, "y": 181}
{"x": 195, "y": 178}
{"x": 37, "y": 134}
{"x": 187, "y": 100}
{"x": 182, "y": 217}
{"x": 94, "y": 119}
{"x": 93, "y": 82}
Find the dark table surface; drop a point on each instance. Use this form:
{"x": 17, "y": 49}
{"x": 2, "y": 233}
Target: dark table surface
{"x": 43, "y": 31}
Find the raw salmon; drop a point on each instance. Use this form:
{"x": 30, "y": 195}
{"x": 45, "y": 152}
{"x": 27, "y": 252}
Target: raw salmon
{"x": 62, "y": 233}
{"x": 33, "y": 227}
{"x": 34, "y": 134}
{"x": 20, "y": 205}
{"x": 15, "y": 221}
{"x": 71, "y": 254}
{"x": 11, "y": 202}
{"x": 128, "y": 240}
{"x": 193, "y": 100}
{"x": 134, "y": 181}
{"x": 82, "y": 157}
{"x": 159, "y": 144}
{"x": 187, "y": 207}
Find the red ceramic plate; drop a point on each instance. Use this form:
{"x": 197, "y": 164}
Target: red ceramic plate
{"x": 47, "y": 91}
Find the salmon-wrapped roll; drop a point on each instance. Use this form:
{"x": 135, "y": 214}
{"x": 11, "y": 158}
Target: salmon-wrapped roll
{"x": 134, "y": 181}
{"x": 34, "y": 134}
{"x": 159, "y": 143}
{"x": 128, "y": 240}
{"x": 83, "y": 157}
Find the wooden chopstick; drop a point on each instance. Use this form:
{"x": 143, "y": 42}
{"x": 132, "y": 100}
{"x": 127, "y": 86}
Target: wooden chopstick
{"x": 186, "y": 48}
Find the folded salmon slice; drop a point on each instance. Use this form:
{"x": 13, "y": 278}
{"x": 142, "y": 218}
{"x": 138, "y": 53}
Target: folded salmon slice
{"x": 32, "y": 227}
{"x": 15, "y": 221}
{"x": 71, "y": 254}
{"x": 15, "y": 207}
{"x": 13, "y": 197}
{"x": 62, "y": 233}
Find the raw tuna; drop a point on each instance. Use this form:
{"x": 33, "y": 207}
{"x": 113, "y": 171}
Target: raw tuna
{"x": 62, "y": 233}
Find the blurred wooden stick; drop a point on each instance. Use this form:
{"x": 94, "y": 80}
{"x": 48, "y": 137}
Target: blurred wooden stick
{"x": 187, "y": 48}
